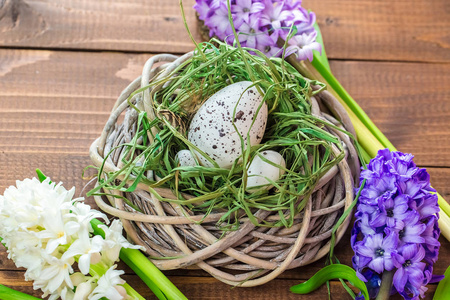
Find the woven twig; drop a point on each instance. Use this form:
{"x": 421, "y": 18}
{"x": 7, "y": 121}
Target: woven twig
{"x": 249, "y": 256}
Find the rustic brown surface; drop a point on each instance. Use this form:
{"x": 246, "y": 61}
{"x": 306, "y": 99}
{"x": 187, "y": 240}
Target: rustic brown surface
{"x": 365, "y": 29}
{"x": 54, "y": 103}
{"x": 203, "y": 288}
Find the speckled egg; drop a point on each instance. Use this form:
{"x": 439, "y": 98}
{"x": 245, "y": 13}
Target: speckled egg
{"x": 259, "y": 170}
{"x": 211, "y": 128}
{"x": 185, "y": 158}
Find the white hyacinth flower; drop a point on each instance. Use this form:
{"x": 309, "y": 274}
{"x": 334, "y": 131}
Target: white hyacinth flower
{"x": 83, "y": 214}
{"x": 54, "y": 275}
{"x": 88, "y": 250}
{"x": 109, "y": 286}
{"x": 115, "y": 241}
{"x": 46, "y": 231}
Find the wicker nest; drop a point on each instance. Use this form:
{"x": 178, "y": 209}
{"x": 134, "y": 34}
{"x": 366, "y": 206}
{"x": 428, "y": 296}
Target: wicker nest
{"x": 249, "y": 256}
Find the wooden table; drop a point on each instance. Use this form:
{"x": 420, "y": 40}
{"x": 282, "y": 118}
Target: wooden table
{"x": 63, "y": 63}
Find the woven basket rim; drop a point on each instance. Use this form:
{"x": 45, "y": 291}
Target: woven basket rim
{"x": 172, "y": 217}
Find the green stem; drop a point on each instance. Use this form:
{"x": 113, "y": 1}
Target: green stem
{"x": 146, "y": 270}
{"x": 7, "y": 293}
{"x": 386, "y": 285}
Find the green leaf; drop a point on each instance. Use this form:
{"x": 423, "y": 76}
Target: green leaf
{"x": 443, "y": 289}
{"x": 323, "y": 56}
{"x": 7, "y": 293}
{"x": 328, "y": 273}
{"x": 40, "y": 175}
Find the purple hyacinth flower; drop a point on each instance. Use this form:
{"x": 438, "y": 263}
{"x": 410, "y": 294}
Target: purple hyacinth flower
{"x": 243, "y": 9}
{"x": 378, "y": 189}
{"x": 423, "y": 179}
{"x": 431, "y": 236}
{"x": 302, "y": 45}
{"x": 269, "y": 47}
{"x": 251, "y": 34}
{"x": 401, "y": 167}
{"x": 427, "y": 206}
{"x": 366, "y": 226}
{"x": 359, "y": 262}
{"x": 410, "y": 267}
{"x": 219, "y": 22}
{"x": 376, "y": 167}
{"x": 203, "y": 8}
{"x": 303, "y": 20}
{"x": 275, "y": 16}
{"x": 412, "y": 229}
{"x": 379, "y": 249}
{"x": 397, "y": 200}
{"x": 391, "y": 213}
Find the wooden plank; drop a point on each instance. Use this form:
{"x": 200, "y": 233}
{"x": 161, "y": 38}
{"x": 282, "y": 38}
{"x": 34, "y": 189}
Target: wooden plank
{"x": 54, "y": 104}
{"x": 384, "y": 30}
{"x": 353, "y": 29}
{"x": 210, "y": 288}
{"x": 65, "y": 98}
{"x": 409, "y": 102}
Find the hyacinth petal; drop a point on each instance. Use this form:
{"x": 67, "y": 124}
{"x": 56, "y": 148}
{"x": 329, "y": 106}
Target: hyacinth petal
{"x": 431, "y": 241}
{"x": 412, "y": 233}
{"x": 390, "y": 242}
{"x": 419, "y": 255}
{"x": 413, "y": 239}
{"x": 364, "y": 251}
{"x": 378, "y": 221}
{"x": 84, "y": 263}
{"x": 309, "y": 54}
{"x": 377, "y": 265}
{"x": 71, "y": 227}
{"x": 397, "y": 259}
{"x": 388, "y": 263}
{"x": 361, "y": 276}
{"x": 400, "y": 279}
{"x": 363, "y": 261}
{"x": 256, "y": 7}
{"x": 415, "y": 276}
{"x": 409, "y": 251}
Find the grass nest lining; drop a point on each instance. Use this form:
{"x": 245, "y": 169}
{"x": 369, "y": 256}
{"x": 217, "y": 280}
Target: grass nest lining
{"x": 202, "y": 217}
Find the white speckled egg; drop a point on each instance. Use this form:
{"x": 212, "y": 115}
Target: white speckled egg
{"x": 211, "y": 128}
{"x": 259, "y": 170}
{"x": 185, "y": 158}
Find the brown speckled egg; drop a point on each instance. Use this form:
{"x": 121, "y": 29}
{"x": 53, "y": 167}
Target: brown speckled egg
{"x": 258, "y": 171}
{"x": 185, "y": 158}
{"x": 212, "y": 129}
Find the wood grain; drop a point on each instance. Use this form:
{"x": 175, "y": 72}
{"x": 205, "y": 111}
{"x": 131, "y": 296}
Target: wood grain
{"x": 343, "y": 252}
{"x": 203, "y": 288}
{"x": 409, "y": 102}
{"x": 365, "y": 29}
{"x": 57, "y": 102}
{"x": 53, "y": 104}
